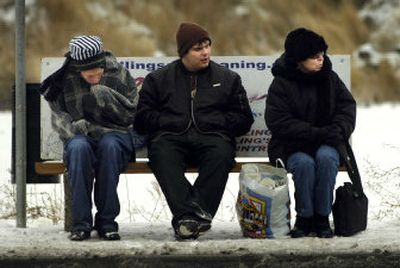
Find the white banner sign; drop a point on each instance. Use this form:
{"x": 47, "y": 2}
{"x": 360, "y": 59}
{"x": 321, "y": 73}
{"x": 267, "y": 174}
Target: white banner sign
{"x": 256, "y": 77}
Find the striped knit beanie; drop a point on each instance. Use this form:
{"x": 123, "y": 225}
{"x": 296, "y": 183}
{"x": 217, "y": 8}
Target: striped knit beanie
{"x": 86, "y": 52}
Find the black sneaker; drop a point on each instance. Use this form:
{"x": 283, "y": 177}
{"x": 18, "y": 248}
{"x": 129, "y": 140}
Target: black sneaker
{"x": 187, "y": 228}
{"x": 302, "y": 228}
{"x": 322, "y": 226}
{"x": 110, "y": 236}
{"x": 203, "y": 217}
{"x": 79, "y": 235}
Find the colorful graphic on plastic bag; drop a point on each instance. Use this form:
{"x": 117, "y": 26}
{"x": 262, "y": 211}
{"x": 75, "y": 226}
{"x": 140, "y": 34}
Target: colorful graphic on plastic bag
{"x": 254, "y": 215}
{"x": 263, "y": 201}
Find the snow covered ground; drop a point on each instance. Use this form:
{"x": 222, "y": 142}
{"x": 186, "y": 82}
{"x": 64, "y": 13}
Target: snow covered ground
{"x": 144, "y": 219}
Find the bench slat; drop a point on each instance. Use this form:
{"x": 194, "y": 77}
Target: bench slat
{"x": 140, "y": 167}
{"x": 57, "y": 167}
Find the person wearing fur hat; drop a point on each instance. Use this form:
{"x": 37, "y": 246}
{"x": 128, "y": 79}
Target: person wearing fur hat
{"x": 310, "y": 113}
{"x": 93, "y": 100}
{"x": 192, "y": 109}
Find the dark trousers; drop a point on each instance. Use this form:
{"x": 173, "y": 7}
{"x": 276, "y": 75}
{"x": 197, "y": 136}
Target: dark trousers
{"x": 169, "y": 156}
{"x": 104, "y": 160}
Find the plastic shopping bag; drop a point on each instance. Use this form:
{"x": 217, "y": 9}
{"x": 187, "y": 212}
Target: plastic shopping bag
{"x": 263, "y": 204}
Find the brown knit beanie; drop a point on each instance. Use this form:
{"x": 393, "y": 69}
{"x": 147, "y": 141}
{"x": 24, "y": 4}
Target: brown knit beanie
{"x": 189, "y": 34}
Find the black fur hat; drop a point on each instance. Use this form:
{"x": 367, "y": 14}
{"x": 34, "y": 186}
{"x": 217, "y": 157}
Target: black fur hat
{"x": 301, "y": 43}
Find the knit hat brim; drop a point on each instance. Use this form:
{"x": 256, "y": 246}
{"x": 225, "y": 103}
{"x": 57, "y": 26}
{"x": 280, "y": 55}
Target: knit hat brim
{"x": 97, "y": 61}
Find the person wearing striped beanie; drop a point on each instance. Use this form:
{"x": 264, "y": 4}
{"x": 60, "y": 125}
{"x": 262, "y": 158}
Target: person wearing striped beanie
{"x": 93, "y": 101}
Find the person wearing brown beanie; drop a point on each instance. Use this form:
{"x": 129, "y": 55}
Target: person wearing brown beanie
{"x": 192, "y": 109}
{"x": 310, "y": 113}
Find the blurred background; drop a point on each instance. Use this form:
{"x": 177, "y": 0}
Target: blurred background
{"x": 367, "y": 30}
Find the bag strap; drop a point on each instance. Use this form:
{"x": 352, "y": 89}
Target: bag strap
{"x": 346, "y": 152}
{"x": 279, "y": 163}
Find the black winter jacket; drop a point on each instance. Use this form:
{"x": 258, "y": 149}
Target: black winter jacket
{"x": 304, "y": 109}
{"x": 213, "y": 100}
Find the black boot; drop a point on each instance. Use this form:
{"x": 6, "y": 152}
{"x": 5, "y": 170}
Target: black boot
{"x": 78, "y": 235}
{"x": 303, "y": 227}
{"x": 111, "y": 236}
{"x": 322, "y": 227}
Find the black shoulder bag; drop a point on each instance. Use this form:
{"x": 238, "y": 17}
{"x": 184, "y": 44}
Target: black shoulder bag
{"x": 350, "y": 209}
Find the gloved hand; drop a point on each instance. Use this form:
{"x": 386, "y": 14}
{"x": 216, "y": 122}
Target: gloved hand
{"x": 102, "y": 94}
{"x": 319, "y": 134}
{"x": 332, "y": 135}
{"x": 80, "y": 126}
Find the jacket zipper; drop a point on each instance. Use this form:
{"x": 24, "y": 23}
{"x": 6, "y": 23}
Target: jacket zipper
{"x": 193, "y": 85}
{"x": 193, "y": 79}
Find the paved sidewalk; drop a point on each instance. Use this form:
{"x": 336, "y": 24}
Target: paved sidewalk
{"x": 145, "y": 245}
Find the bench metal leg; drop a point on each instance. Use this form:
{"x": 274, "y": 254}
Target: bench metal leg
{"x": 67, "y": 203}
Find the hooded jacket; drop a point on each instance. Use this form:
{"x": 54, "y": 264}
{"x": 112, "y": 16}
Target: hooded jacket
{"x": 304, "y": 110}
{"x": 212, "y": 100}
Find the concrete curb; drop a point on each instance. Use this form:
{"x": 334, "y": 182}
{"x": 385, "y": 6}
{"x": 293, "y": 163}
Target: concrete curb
{"x": 375, "y": 259}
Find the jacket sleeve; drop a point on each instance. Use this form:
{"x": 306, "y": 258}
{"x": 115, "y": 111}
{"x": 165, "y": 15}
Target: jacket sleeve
{"x": 66, "y": 126}
{"x": 279, "y": 118}
{"x": 63, "y": 123}
{"x": 345, "y": 112}
{"x": 147, "y": 116}
{"x": 116, "y": 106}
{"x": 239, "y": 117}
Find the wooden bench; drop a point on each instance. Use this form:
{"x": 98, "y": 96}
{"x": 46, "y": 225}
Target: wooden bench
{"x": 256, "y": 76}
{"x": 138, "y": 167}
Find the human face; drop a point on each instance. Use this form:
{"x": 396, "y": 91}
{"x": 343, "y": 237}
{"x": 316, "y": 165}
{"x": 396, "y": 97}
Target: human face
{"x": 198, "y": 56}
{"x": 92, "y": 76}
{"x": 312, "y": 64}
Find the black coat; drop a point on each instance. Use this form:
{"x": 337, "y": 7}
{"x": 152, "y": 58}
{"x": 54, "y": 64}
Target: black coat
{"x": 304, "y": 110}
{"x": 213, "y": 100}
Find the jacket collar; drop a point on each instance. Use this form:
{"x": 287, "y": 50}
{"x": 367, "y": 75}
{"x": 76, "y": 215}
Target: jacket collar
{"x": 182, "y": 67}
{"x": 291, "y": 72}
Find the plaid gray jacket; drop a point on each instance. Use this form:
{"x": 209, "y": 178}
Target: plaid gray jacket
{"x": 98, "y": 109}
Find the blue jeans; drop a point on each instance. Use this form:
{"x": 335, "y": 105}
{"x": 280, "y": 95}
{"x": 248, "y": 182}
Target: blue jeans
{"x": 86, "y": 159}
{"x": 314, "y": 180}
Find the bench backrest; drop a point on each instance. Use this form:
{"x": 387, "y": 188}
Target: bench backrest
{"x": 255, "y": 72}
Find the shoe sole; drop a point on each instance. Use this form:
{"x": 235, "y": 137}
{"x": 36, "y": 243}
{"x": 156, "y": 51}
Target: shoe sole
{"x": 188, "y": 229}
{"x": 325, "y": 235}
{"x": 204, "y": 227}
{"x": 79, "y": 237}
{"x": 300, "y": 235}
{"x": 110, "y": 236}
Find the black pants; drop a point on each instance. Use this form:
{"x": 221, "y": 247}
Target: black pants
{"x": 169, "y": 156}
